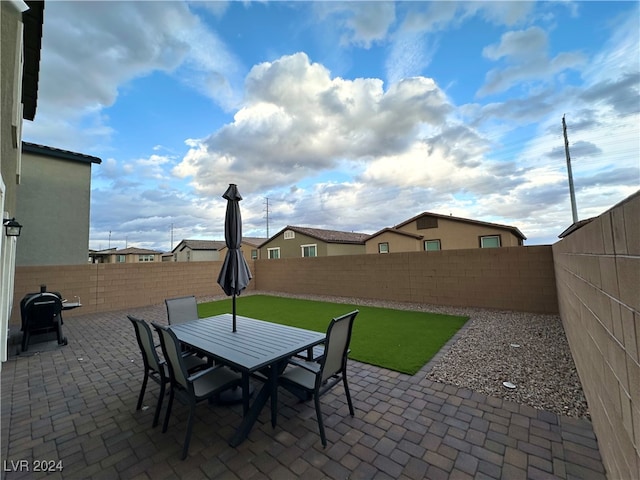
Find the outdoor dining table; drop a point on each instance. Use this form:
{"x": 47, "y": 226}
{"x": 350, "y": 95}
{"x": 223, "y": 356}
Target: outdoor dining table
{"x": 256, "y": 347}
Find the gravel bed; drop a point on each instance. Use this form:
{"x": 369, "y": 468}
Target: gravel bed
{"x": 527, "y": 350}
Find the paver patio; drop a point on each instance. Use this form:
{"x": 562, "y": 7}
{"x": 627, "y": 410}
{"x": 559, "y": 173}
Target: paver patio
{"x": 75, "y": 406}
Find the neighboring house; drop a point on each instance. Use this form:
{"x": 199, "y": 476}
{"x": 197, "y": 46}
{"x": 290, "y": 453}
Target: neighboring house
{"x": 126, "y": 255}
{"x": 250, "y": 247}
{"x": 53, "y": 206}
{"x": 431, "y": 231}
{"x": 295, "y": 242}
{"x": 21, "y": 33}
{"x": 198, "y": 251}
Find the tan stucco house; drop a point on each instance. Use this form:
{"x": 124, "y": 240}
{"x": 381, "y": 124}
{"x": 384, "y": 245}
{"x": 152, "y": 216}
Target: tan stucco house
{"x": 20, "y": 44}
{"x": 432, "y": 231}
{"x": 125, "y": 255}
{"x": 296, "y": 242}
{"x": 54, "y": 206}
{"x": 198, "y": 251}
{"x": 250, "y": 247}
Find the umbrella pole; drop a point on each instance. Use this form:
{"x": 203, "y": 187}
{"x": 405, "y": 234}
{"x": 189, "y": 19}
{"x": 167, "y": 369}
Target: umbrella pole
{"x": 234, "y": 312}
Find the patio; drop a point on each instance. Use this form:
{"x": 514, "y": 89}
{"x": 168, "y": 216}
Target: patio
{"x": 76, "y": 405}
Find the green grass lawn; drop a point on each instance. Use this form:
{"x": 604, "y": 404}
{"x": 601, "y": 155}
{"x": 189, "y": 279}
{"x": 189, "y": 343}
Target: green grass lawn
{"x": 399, "y": 340}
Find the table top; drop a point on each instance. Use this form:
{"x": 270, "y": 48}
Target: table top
{"x": 254, "y": 345}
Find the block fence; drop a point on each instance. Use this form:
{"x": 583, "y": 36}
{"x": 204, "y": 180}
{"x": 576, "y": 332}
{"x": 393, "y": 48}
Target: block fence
{"x": 511, "y": 278}
{"x": 598, "y": 277}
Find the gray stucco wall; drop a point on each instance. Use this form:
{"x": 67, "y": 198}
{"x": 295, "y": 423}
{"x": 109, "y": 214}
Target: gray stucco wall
{"x": 53, "y": 207}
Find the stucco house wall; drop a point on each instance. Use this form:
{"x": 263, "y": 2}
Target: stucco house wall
{"x": 456, "y": 234}
{"x": 54, "y": 206}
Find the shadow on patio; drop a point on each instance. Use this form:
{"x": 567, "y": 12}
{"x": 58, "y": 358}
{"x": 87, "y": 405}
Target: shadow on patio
{"x": 75, "y": 406}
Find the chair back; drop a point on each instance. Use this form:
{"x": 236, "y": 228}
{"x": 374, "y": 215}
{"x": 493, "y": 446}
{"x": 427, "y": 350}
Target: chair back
{"x": 172, "y": 350}
{"x": 41, "y": 311}
{"x": 337, "y": 346}
{"x": 181, "y": 309}
{"x": 146, "y": 344}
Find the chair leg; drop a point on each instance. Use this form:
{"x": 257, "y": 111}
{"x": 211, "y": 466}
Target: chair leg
{"x": 142, "y": 390}
{"x": 187, "y": 438}
{"x": 168, "y": 414}
{"x": 159, "y": 405}
{"x": 346, "y": 390}
{"x": 316, "y": 401}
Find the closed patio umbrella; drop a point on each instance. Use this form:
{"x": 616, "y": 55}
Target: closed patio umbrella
{"x": 235, "y": 274}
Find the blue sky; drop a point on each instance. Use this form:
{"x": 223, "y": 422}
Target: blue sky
{"x": 350, "y": 116}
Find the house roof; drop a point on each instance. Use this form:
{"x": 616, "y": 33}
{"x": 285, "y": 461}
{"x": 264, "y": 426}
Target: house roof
{"x": 254, "y": 241}
{"x": 36, "y": 149}
{"x": 396, "y": 232}
{"x": 328, "y": 236}
{"x": 124, "y": 251}
{"x": 32, "y": 38}
{"x": 514, "y": 230}
{"x": 199, "y": 245}
{"x": 136, "y": 251}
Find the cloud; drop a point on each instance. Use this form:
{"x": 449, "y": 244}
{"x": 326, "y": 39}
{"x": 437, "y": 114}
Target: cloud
{"x": 364, "y": 22}
{"x": 526, "y": 54}
{"x": 297, "y": 120}
{"x": 94, "y": 49}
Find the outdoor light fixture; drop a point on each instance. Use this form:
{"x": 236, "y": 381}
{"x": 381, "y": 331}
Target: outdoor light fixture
{"x": 11, "y": 227}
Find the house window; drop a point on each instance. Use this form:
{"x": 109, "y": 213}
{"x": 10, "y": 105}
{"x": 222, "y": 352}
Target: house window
{"x": 490, "y": 241}
{"x": 121, "y": 259}
{"x": 254, "y": 254}
{"x": 431, "y": 245}
{"x": 383, "y": 247}
{"x": 146, "y": 258}
{"x": 309, "y": 250}
{"x": 289, "y": 234}
{"x": 273, "y": 252}
{"x": 427, "y": 222}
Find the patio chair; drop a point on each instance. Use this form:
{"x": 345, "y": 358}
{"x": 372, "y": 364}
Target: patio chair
{"x": 154, "y": 367}
{"x": 41, "y": 313}
{"x": 181, "y": 309}
{"x": 191, "y": 389}
{"x": 317, "y": 378}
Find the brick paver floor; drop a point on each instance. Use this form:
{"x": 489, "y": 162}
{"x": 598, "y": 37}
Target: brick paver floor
{"x": 71, "y": 410}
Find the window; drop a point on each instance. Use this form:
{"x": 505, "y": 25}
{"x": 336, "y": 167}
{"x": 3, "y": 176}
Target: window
{"x": 431, "y": 245}
{"x": 146, "y": 258}
{"x": 273, "y": 252}
{"x": 289, "y": 234}
{"x": 490, "y": 241}
{"x": 426, "y": 222}
{"x": 383, "y": 247}
{"x": 254, "y": 254}
{"x": 121, "y": 258}
{"x": 309, "y": 250}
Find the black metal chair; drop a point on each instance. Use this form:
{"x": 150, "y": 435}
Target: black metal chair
{"x": 154, "y": 367}
{"x": 191, "y": 389}
{"x": 41, "y": 313}
{"x": 317, "y": 378}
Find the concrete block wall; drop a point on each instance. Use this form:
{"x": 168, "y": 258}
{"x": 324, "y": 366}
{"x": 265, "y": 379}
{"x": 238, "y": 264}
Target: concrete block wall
{"x": 510, "y": 278}
{"x": 598, "y": 281}
{"x": 106, "y": 287}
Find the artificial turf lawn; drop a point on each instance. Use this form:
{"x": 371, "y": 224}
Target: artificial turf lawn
{"x": 399, "y": 340}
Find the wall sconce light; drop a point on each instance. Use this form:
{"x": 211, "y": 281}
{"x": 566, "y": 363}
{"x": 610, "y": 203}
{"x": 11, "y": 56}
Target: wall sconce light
{"x": 11, "y": 227}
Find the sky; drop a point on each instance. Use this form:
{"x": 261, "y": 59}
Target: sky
{"x": 351, "y": 116}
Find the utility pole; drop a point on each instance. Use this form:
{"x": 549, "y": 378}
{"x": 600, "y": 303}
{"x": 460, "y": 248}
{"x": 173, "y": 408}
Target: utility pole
{"x": 267, "y": 216}
{"x": 109, "y": 239}
{"x": 171, "y": 250}
{"x": 574, "y": 209}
